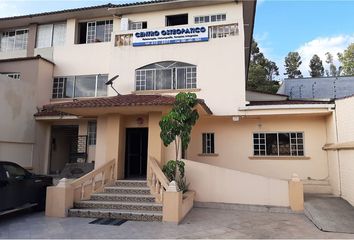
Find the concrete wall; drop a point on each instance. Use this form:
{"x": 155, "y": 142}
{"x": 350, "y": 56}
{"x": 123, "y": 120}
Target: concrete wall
{"x": 217, "y": 184}
{"x": 19, "y": 100}
{"x": 234, "y": 145}
{"x": 341, "y": 161}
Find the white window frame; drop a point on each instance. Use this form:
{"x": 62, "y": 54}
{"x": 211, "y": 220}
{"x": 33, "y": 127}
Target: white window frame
{"x": 91, "y": 27}
{"x": 208, "y": 139}
{"x": 190, "y": 78}
{"x": 52, "y": 32}
{"x": 222, "y": 31}
{"x": 207, "y": 18}
{"x": 136, "y": 25}
{"x": 296, "y": 145}
{"x": 13, "y": 48}
{"x": 62, "y": 84}
{"x": 92, "y": 133}
{"x": 13, "y": 75}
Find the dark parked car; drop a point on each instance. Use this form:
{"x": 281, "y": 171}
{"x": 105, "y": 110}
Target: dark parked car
{"x": 21, "y": 189}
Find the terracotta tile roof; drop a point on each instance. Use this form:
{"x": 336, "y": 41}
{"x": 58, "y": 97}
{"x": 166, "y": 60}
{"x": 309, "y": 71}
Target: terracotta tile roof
{"x": 129, "y": 100}
{"x": 286, "y": 102}
{"x": 48, "y": 112}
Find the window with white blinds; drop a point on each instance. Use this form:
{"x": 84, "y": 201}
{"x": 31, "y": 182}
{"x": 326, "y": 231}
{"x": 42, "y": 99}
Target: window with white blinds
{"x": 14, "y": 40}
{"x": 49, "y": 35}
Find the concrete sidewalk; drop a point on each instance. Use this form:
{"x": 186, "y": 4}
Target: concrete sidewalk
{"x": 330, "y": 214}
{"x": 200, "y": 223}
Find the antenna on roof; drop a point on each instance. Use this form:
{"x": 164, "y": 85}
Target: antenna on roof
{"x": 110, "y": 82}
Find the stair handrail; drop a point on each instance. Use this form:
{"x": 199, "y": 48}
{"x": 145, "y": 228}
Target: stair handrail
{"x": 158, "y": 182}
{"x": 95, "y": 180}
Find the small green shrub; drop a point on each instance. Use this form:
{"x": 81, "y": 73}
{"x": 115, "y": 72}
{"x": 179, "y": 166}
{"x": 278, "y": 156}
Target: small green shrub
{"x": 169, "y": 169}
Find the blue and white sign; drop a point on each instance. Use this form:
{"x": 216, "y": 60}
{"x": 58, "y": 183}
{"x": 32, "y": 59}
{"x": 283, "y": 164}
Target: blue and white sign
{"x": 170, "y": 35}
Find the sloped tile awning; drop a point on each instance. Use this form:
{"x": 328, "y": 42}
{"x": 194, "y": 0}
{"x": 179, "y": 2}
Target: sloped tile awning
{"x": 123, "y": 104}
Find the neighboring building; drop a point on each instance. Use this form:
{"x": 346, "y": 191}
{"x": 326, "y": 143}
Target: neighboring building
{"x": 242, "y": 142}
{"x": 318, "y": 88}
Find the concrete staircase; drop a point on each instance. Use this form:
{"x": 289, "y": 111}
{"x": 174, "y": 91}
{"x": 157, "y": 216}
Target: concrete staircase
{"x": 126, "y": 199}
{"x": 317, "y": 187}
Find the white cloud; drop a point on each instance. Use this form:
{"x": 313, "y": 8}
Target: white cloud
{"x": 8, "y": 8}
{"x": 320, "y": 46}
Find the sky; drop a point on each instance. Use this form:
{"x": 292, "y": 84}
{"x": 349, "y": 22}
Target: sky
{"x": 309, "y": 27}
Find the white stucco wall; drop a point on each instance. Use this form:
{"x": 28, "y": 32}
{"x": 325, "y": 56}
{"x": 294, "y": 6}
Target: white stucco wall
{"x": 344, "y": 159}
{"x": 19, "y": 100}
{"x": 220, "y": 62}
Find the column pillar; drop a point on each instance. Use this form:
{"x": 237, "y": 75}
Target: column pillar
{"x": 31, "y": 41}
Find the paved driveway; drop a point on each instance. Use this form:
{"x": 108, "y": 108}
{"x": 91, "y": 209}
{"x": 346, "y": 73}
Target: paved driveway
{"x": 200, "y": 223}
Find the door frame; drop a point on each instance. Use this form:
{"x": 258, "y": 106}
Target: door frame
{"x": 127, "y": 173}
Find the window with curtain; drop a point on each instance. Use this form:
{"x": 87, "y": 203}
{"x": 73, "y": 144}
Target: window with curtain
{"x": 166, "y": 75}
{"x": 51, "y": 35}
{"x": 14, "y": 40}
{"x": 278, "y": 144}
{"x": 80, "y": 86}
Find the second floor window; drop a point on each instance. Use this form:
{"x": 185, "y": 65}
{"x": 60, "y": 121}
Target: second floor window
{"x": 80, "y": 86}
{"x": 50, "y": 35}
{"x": 137, "y": 25}
{"x": 14, "y": 40}
{"x": 95, "y": 31}
{"x": 166, "y": 75}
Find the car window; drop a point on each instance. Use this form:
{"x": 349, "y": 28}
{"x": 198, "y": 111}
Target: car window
{"x": 14, "y": 172}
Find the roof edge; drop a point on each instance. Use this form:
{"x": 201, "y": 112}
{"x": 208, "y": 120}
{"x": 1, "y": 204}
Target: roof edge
{"x": 38, "y": 57}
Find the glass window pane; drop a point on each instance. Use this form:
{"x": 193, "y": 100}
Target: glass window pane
{"x": 181, "y": 78}
{"x": 44, "y": 36}
{"x": 163, "y": 79}
{"x": 284, "y": 144}
{"x": 272, "y": 144}
{"x": 59, "y": 34}
{"x": 149, "y": 80}
{"x": 100, "y": 28}
{"x": 101, "y": 85}
{"x": 85, "y": 86}
{"x": 69, "y": 87}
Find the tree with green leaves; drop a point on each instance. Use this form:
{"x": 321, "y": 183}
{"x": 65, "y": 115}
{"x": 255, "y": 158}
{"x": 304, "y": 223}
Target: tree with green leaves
{"x": 177, "y": 125}
{"x": 261, "y": 72}
{"x": 333, "y": 72}
{"x": 292, "y": 64}
{"x": 316, "y": 66}
{"x": 347, "y": 60}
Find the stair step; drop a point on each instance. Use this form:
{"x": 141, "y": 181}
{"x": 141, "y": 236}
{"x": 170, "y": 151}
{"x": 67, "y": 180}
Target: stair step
{"x": 131, "y": 183}
{"x": 128, "y": 190}
{"x": 318, "y": 189}
{"x": 122, "y": 197}
{"x": 116, "y": 214}
{"x": 315, "y": 182}
{"x": 118, "y": 205}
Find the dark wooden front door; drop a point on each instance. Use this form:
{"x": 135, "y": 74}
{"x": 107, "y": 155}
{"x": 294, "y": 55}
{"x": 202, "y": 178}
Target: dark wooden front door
{"x": 136, "y": 152}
